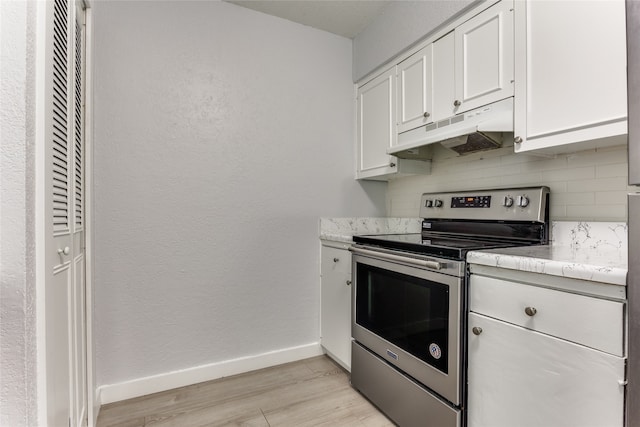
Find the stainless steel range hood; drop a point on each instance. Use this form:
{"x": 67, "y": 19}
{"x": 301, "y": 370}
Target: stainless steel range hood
{"x": 476, "y": 130}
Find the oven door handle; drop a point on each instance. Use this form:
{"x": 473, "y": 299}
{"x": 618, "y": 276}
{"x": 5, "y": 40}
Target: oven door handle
{"x": 434, "y": 265}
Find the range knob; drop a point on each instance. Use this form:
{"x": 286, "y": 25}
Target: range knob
{"x": 437, "y": 203}
{"x": 507, "y": 202}
{"x": 429, "y": 204}
{"x": 523, "y": 201}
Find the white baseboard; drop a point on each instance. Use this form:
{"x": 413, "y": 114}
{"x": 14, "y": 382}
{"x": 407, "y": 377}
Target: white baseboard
{"x": 142, "y": 386}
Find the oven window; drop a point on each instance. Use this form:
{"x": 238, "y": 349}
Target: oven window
{"x": 408, "y": 311}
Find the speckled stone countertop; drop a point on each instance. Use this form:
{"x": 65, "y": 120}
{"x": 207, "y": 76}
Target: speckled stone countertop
{"x": 593, "y": 251}
{"x": 343, "y": 229}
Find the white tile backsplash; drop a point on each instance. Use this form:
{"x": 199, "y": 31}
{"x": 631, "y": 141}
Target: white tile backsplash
{"x": 589, "y": 185}
{"x": 612, "y": 170}
{"x": 599, "y": 184}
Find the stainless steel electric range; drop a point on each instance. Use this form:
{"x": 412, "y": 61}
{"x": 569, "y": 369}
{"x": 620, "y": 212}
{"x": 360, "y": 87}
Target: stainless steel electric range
{"x": 409, "y": 299}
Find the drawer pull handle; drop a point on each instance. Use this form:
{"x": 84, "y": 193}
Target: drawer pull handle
{"x": 530, "y": 311}
{"x": 348, "y": 282}
{"x": 336, "y": 259}
{"x": 476, "y": 330}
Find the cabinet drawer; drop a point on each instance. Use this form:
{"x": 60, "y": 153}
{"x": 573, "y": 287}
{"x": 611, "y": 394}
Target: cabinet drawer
{"x": 594, "y": 322}
{"x": 336, "y": 260}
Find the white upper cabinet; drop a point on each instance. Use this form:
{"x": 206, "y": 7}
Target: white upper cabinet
{"x": 469, "y": 67}
{"x": 415, "y": 94}
{"x": 466, "y": 66}
{"x": 570, "y": 75}
{"x": 376, "y": 125}
{"x": 376, "y": 121}
{"x": 484, "y": 58}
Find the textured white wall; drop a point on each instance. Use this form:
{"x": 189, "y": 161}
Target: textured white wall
{"x": 588, "y": 185}
{"x": 221, "y": 136}
{"x": 399, "y": 25}
{"x": 18, "y": 404}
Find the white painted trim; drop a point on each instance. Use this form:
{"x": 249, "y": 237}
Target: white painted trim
{"x": 142, "y": 386}
{"x": 93, "y": 394}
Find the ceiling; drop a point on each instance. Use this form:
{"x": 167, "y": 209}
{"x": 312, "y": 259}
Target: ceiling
{"x": 345, "y": 18}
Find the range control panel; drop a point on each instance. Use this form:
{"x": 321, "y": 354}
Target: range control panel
{"x": 508, "y": 204}
{"x": 471, "y": 202}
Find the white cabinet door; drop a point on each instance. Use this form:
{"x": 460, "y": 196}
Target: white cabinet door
{"x": 377, "y": 132}
{"x": 376, "y": 125}
{"x": 570, "y": 74}
{"x": 484, "y": 57}
{"x": 414, "y": 90}
{"x": 444, "y": 89}
{"x": 473, "y": 65}
{"x": 335, "y": 304}
{"x": 518, "y": 377}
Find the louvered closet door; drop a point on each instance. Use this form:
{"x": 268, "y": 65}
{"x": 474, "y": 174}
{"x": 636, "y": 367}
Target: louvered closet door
{"x": 63, "y": 217}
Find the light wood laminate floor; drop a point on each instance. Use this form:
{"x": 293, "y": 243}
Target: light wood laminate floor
{"x": 310, "y": 392}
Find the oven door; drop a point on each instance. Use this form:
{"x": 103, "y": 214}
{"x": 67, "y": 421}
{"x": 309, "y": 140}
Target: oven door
{"x": 410, "y": 316}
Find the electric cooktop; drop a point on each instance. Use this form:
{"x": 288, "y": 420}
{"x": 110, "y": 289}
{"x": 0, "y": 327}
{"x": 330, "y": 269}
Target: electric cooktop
{"x": 454, "y": 248}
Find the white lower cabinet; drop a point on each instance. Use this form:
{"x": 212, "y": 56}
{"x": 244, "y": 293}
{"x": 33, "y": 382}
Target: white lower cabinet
{"x": 335, "y": 303}
{"x": 524, "y": 370}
